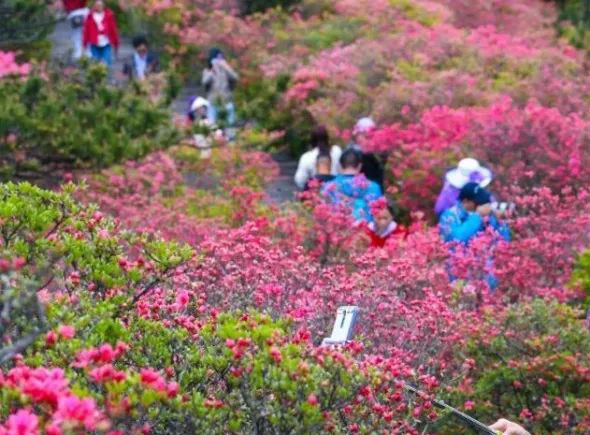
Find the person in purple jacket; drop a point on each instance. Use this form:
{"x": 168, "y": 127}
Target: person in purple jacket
{"x": 468, "y": 170}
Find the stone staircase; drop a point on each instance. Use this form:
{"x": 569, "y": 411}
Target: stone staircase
{"x": 279, "y": 191}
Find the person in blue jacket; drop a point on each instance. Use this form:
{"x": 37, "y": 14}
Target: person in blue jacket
{"x": 353, "y": 188}
{"x": 467, "y": 217}
{"x": 471, "y": 215}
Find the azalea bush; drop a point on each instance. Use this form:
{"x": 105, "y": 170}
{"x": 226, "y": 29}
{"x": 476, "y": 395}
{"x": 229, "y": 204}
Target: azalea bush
{"x": 182, "y": 196}
{"x": 213, "y": 375}
{"x": 528, "y": 364}
{"x": 9, "y": 66}
{"x": 166, "y": 294}
{"x": 76, "y": 120}
{"x": 523, "y": 147}
{"x": 51, "y": 244}
{"x": 103, "y": 353}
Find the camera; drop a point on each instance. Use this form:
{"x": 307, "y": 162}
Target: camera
{"x": 503, "y": 207}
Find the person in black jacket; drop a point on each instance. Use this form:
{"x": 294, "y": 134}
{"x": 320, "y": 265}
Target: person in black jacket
{"x": 323, "y": 170}
{"x": 371, "y": 166}
{"x": 143, "y": 62}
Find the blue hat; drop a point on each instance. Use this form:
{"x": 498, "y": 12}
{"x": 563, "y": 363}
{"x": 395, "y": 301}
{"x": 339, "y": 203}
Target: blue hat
{"x": 474, "y": 192}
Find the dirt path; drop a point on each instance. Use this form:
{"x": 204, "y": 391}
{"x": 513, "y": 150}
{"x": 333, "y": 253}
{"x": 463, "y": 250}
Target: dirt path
{"x": 283, "y": 189}
{"x": 278, "y": 191}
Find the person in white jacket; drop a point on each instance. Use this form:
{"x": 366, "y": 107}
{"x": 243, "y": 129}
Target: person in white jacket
{"x": 320, "y": 142}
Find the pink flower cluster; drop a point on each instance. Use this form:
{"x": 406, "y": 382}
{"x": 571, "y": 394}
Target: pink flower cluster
{"x": 48, "y": 387}
{"x": 10, "y": 67}
{"x": 105, "y": 354}
{"x": 155, "y": 381}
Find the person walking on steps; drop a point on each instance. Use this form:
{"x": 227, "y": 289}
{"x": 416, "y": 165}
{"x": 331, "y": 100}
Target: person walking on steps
{"x": 101, "y": 34}
{"x": 219, "y": 80}
{"x": 76, "y": 11}
{"x": 142, "y": 62}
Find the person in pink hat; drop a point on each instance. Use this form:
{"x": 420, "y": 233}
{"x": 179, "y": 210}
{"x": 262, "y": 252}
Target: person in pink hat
{"x": 468, "y": 170}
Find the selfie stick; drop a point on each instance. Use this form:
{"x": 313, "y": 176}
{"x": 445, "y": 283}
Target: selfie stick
{"x": 470, "y": 421}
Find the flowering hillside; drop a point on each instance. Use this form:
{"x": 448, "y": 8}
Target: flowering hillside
{"x": 167, "y": 295}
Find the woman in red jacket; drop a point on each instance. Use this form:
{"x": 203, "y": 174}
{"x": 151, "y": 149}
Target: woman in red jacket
{"x": 100, "y": 33}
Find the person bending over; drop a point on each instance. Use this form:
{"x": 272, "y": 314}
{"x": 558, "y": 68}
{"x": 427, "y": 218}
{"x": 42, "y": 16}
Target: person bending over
{"x": 471, "y": 214}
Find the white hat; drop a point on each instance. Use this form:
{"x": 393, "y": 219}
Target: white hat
{"x": 469, "y": 170}
{"x": 198, "y": 103}
{"x": 364, "y": 125}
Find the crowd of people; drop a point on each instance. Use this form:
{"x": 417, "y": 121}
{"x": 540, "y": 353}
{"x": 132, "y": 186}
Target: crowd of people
{"x": 465, "y": 208}
{"x": 94, "y": 34}
{"x": 349, "y": 177}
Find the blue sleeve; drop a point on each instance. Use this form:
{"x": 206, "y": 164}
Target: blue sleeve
{"x": 501, "y": 227}
{"x": 373, "y": 192}
{"x": 328, "y": 191}
{"x": 453, "y": 230}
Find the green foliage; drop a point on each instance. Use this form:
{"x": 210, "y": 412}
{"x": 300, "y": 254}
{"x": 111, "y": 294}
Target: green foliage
{"x": 76, "y": 120}
{"x": 259, "y": 100}
{"x": 574, "y": 18}
{"x": 253, "y": 6}
{"x": 49, "y": 240}
{"x": 414, "y": 12}
{"x": 341, "y": 30}
{"x": 241, "y": 373}
{"x": 581, "y": 274}
{"x": 25, "y": 26}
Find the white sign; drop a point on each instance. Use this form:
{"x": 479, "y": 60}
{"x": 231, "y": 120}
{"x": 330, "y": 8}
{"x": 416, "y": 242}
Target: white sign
{"x": 343, "y": 326}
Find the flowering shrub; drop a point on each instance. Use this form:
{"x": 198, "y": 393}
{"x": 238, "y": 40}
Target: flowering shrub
{"x": 207, "y": 373}
{"x": 524, "y": 147}
{"x": 114, "y": 326}
{"x": 111, "y": 124}
{"x": 528, "y": 364}
{"x": 338, "y": 61}
{"x": 181, "y": 196}
{"x": 52, "y": 245}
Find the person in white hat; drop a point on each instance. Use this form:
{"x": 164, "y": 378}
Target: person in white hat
{"x": 200, "y": 113}
{"x": 200, "y": 110}
{"x": 468, "y": 170}
{"x": 371, "y": 168}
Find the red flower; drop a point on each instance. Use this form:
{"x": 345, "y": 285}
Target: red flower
{"x": 275, "y": 354}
